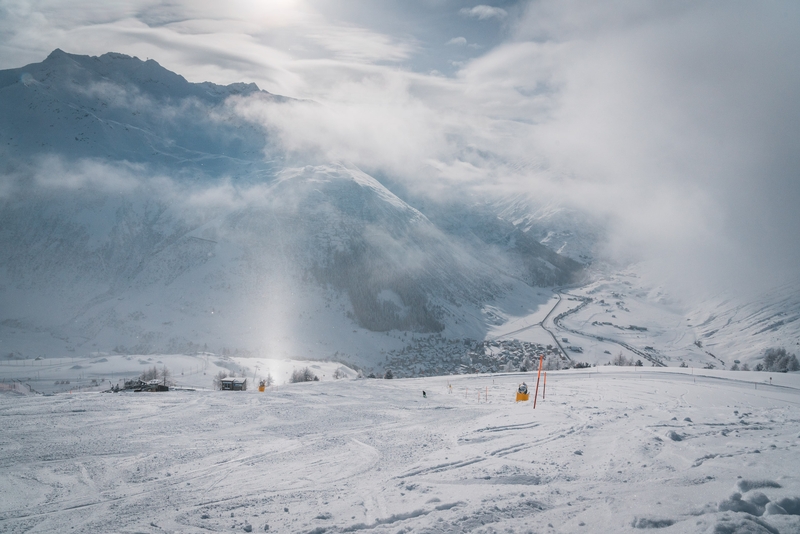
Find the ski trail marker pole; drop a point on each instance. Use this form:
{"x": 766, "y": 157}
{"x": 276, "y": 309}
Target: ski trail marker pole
{"x": 539, "y": 374}
{"x": 544, "y": 386}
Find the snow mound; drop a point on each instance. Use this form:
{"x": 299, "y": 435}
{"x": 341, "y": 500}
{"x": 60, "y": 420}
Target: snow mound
{"x": 738, "y": 524}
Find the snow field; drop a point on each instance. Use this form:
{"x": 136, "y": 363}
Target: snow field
{"x": 100, "y": 372}
{"x": 607, "y": 450}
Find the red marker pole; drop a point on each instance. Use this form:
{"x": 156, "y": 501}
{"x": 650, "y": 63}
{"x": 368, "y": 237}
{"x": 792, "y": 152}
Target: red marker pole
{"x": 544, "y": 386}
{"x": 539, "y": 374}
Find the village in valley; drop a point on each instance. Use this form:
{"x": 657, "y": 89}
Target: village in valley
{"x": 435, "y": 355}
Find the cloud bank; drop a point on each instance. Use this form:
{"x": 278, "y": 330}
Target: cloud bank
{"x": 676, "y": 123}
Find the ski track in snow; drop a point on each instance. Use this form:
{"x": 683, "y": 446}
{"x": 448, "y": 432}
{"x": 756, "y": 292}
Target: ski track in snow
{"x": 607, "y": 450}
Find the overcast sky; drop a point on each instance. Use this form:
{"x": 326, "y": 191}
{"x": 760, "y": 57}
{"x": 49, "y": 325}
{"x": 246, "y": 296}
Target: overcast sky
{"x": 678, "y": 122}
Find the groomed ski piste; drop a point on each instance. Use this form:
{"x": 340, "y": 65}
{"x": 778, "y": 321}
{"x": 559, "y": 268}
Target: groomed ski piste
{"x": 607, "y": 449}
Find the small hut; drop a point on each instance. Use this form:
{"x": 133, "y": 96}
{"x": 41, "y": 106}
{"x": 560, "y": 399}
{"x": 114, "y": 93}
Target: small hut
{"x": 155, "y": 385}
{"x": 233, "y": 384}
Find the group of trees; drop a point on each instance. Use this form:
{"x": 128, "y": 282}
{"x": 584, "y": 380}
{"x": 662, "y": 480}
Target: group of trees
{"x": 303, "y": 375}
{"x": 776, "y": 360}
{"x": 388, "y": 375}
{"x": 154, "y": 373}
{"x": 621, "y": 361}
{"x": 779, "y": 361}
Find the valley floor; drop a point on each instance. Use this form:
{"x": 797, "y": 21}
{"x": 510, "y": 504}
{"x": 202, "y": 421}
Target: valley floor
{"x": 607, "y": 450}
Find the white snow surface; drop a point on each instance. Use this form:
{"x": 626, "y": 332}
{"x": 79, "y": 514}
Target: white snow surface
{"x": 605, "y": 450}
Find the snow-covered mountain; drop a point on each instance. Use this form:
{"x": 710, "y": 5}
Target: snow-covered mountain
{"x": 140, "y": 213}
{"x": 565, "y": 230}
{"x": 119, "y": 108}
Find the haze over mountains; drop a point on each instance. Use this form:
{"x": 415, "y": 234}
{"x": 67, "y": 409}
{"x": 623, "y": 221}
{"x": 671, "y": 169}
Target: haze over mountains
{"x": 142, "y": 213}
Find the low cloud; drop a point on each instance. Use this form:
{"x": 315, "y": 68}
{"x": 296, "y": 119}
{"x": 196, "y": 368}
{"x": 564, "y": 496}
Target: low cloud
{"x": 675, "y": 122}
{"x": 58, "y": 176}
{"x": 457, "y": 41}
{"x": 482, "y": 12}
{"x": 375, "y": 123}
{"x": 55, "y": 173}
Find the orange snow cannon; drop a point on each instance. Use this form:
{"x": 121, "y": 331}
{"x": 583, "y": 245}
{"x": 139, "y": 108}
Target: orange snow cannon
{"x": 522, "y": 393}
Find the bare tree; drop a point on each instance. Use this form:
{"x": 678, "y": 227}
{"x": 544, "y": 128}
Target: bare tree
{"x": 621, "y": 360}
{"x": 339, "y": 373}
{"x": 149, "y": 374}
{"x": 551, "y": 363}
{"x": 166, "y": 375}
{"x": 218, "y": 379}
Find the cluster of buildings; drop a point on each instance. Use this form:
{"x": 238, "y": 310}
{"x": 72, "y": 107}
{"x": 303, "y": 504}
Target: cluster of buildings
{"x": 435, "y": 355}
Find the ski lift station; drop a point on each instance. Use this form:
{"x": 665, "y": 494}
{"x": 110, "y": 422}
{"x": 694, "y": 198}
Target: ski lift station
{"x": 233, "y": 384}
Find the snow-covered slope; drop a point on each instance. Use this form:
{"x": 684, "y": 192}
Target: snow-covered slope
{"x": 743, "y": 328}
{"x": 625, "y": 312}
{"x": 619, "y": 450}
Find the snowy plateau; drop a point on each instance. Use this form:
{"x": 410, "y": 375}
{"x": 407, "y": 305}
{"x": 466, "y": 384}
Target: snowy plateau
{"x": 149, "y": 222}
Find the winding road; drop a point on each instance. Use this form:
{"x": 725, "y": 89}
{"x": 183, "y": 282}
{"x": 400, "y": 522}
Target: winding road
{"x": 585, "y": 302}
{"x": 559, "y": 291}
